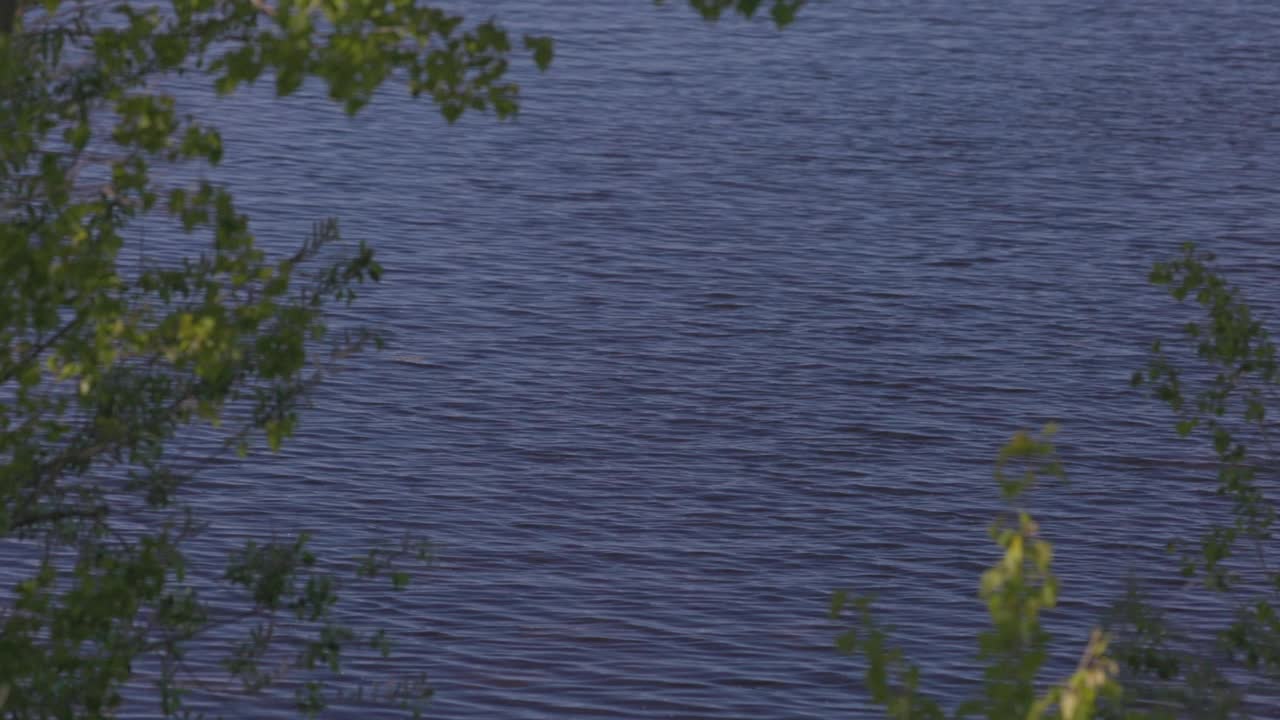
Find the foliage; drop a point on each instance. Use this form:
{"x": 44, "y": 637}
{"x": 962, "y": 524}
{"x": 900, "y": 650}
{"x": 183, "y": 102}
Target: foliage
{"x": 783, "y": 12}
{"x": 1224, "y": 400}
{"x": 104, "y": 361}
{"x": 1017, "y": 589}
{"x": 1143, "y": 665}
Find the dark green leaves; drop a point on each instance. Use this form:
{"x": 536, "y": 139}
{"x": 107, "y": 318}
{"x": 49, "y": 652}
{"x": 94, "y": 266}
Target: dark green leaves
{"x": 107, "y": 355}
{"x": 1227, "y": 403}
{"x": 783, "y": 12}
{"x": 543, "y": 49}
{"x": 1217, "y": 380}
{"x": 891, "y": 680}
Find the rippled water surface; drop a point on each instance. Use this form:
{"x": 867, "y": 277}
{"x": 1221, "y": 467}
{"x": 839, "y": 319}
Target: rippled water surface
{"x": 730, "y": 317}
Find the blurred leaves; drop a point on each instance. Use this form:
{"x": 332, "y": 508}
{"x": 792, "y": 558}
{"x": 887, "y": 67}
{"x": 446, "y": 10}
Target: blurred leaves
{"x": 107, "y": 358}
{"x": 782, "y": 12}
{"x": 1017, "y": 590}
{"x": 1219, "y": 395}
{"x": 1144, "y": 665}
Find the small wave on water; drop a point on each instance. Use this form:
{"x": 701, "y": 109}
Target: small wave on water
{"x": 418, "y": 360}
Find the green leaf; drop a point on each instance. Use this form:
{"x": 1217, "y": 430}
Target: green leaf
{"x": 847, "y": 641}
{"x": 543, "y": 50}
{"x": 838, "y": 599}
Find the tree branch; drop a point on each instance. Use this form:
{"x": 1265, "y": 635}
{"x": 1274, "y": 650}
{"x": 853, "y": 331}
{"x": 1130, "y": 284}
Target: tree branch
{"x": 51, "y": 516}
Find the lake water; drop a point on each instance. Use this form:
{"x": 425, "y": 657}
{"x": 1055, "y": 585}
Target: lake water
{"x": 731, "y": 317}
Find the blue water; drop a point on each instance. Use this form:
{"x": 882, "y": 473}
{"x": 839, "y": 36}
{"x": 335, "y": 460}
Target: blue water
{"x": 731, "y": 317}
